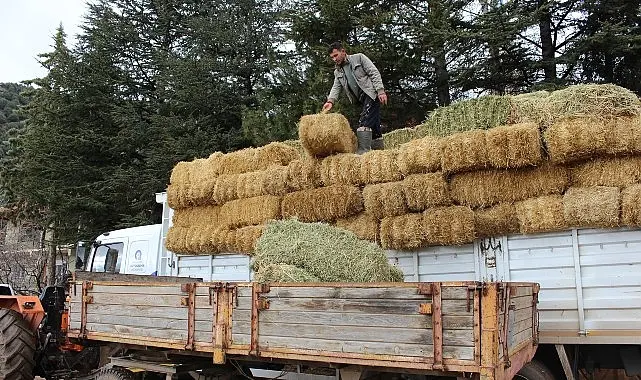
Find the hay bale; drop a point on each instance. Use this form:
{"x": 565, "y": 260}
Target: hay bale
{"x": 277, "y": 273}
{"x": 275, "y": 153}
{"x": 176, "y": 197}
{"x": 623, "y": 136}
{"x": 363, "y": 225}
{"x": 385, "y": 199}
{"x": 245, "y": 238}
{"x": 448, "y": 225}
{"x": 594, "y": 100}
{"x": 397, "y": 137}
{"x": 402, "y": 232}
{"x": 222, "y": 240}
{"x": 420, "y": 156}
{"x": 326, "y": 134}
{"x": 425, "y": 190}
{"x": 328, "y": 253}
{"x": 275, "y": 180}
{"x": 631, "y": 205}
{"x": 541, "y": 214}
{"x": 202, "y": 180}
{"x": 303, "y": 174}
{"x": 496, "y": 221}
{"x": 250, "y": 211}
{"x": 176, "y": 239}
{"x": 249, "y": 185}
{"x": 201, "y": 216}
{"x": 226, "y": 189}
{"x": 238, "y": 162}
{"x": 180, "y": 173}
{"x": 464, "y": 151}
{"x": 531, "y": 107}
{"x": 489, "y": 187}
{"x": 380, "y": 166}
{"x": 296, "y": 144}
{"x": 514, "y": 146}
{"x": 616, "y": 172}
{"x": 596, "y": 206}
{"x": 341, "y": 169}
{"x": 323, "y": 204}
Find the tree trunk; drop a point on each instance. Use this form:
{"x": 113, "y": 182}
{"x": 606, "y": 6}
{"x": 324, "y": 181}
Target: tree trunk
{"x": 548, "y": 60}
{"x": 51, "y": 257}
{"x": 442, "y": 78}
{"x": 438, "y": 18}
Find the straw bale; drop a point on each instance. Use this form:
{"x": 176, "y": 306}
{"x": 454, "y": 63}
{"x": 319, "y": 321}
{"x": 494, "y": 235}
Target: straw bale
{"x": 176, "y": 239}
{"x": 303, "y": 174}
{"x": 397, "y": 137}
{"x": 623, "y": 136}
{"x": 297, "y": 145}
{"x": 448, "y": 225}
{"x": 177, "y": 196}
{"x": 514, "y": 146}
{"x": 323, "y": 204}
{"x": 617, "y": 172}
{"x": 490, "y": 187}
{"x": 275, "y": 153}
{"x": 278, "y": 273}
{"x": 596, "y": 206}
{"x": 541, "y": 214}
{"x": 180, "y": 173}
{"x": 331, "y": 254}
{"x": 201, "y": 216}
{"x": 250, "y": 184}
{"x": 326, "y": 134}
{"x": 600, "y": 100}
{"x": 363, "y": 225}
{"x": 226, "y": 189}
{"x": 569, "y": 140}
{"x": 275, "y": 180}
{"x": 402, "y": 232}
{"x": 464, "y": 151}
{"x": 530, "y": 107}
{"x": 201, "y": 182}
{"x": 222, "y": 240}
{"x": 240, "y": 161}
{"x": 380, "y": 166}
{"x": 245, "y": 238}
{"x": 385, "y": 199}
{"x": 425, "y": 190}
{"x": 250, "y": 211}
{"x": 420, "y": 156}
{"x": 631, "y": 205}
{"x": 341, "y": 169}
{"x": 497, "y": 220}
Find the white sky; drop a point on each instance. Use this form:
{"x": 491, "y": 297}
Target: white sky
{"x": 27, "y": 28}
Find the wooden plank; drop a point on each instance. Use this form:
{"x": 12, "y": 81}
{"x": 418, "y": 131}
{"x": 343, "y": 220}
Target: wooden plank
{"x": 521, "y": 337}
{"x": 170, "y": 289}
{"x": 243, "y": 289}
{"x": 373, "y": 306}
{"x": 128, "y": 331}
{"x": 240, "y": 339}
{"x": 520, "y": 326}
{"x": 142, "y": 280}
{"x": 346, "y": 293}
{"x": 137, "y": 300}
{"x": 156, "y": 311}
{"x": 519, "y": 291}
{"x": 522, "y": 314}
{"x": 453, "y": 293}
{"x": 147, "y": 322}
{"x": 243, "y": 303}
{"x": 521, "y": 302}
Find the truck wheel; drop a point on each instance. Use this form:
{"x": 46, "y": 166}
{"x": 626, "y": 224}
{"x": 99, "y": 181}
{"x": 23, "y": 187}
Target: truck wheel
{"x": 17, "y": 347}
{"x": 535, "y": 370}
{"x": 115, "y": 373}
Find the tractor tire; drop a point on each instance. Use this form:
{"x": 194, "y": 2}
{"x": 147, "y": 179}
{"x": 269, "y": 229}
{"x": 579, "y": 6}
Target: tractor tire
{"x": 535, "y": 370}
{"x": 17, "y": 347}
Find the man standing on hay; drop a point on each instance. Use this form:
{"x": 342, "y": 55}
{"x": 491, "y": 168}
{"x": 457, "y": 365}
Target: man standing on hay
{"x": 363, "y": 85}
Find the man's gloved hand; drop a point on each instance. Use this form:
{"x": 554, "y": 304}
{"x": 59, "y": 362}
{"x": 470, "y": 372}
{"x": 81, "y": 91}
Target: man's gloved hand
{"x": 327, "y": 106}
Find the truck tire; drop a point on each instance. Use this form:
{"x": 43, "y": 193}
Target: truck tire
{"x": 115, "y": 373}
{"x": 17, "y": 347}
{"x": 535, "y": 370}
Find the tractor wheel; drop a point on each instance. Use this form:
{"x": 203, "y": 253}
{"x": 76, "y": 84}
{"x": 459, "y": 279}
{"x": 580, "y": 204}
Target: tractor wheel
{"x": 17, "y": 347}
{"x": 535, "y": 370}
{"x": 115, "y": 373}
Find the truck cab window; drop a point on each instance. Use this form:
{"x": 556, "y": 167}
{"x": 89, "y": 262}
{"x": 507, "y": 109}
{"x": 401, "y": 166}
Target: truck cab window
{"x": 107, "y": 258}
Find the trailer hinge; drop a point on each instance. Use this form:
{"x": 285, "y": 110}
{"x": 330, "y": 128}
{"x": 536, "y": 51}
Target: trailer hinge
{"x": 425, "y": 308}
{"x": 262, "y": 304}
{"x": 87, "y": 299}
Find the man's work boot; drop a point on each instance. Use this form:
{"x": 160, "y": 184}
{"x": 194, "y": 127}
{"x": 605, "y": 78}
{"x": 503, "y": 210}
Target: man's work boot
{"x": 378, "y": 144}
{"x": 364, "y": 141}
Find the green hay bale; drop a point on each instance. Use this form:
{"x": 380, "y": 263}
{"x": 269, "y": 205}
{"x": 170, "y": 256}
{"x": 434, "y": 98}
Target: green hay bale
{"x": 514, "y": 146}
{"x": 464, "y": 151}
{"x": 496, "y": 221}
{"x": 277, "y": 273}
{"x": 363, "y": 225}
{"x": 594, "y": 100}
{"x": 325, "y": 204}
{"x": 380, "y": 166}
{"x": 596, "y": 206}
{"x": 385, "y": 199}
{"x": 303, "y": 174}
{"x": 341, "y": 169}
{"x": 402, "y": 232}
{"x": 250, "y": 211}
{"x": 531, "y": 107}
{"x": 328, "y": 253}
{"x": 631, "y": 205}
{"x": 453, "y": 225}
{"x": 325, "y": 134}
{"x": 397, "y": 137}
{"x": 615, "y": 172}
{"x": 420, "y": 156}
{"x": 425, "y": 190}
{"x": 542, "y": 214}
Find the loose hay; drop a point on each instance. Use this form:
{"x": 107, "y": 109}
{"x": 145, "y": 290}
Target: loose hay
{"x": 341, "y": 169}
{"x": 592, "y": 206}
{"x": 449, "y": 225}
{"x": 489, "y": 187}
{"x": 380, "y": 166}
{"x": 420, "y": 156}
{"x": 296, "y": 144}
{"x": 425, "y": 190}
{"x": 514, "y": 146}
{"x": 616, "y": 172}
{"x": 226, "y": 189}
{"x": 385, "y": 199}
{"x": 402, "y": 232}
{"x": 251, "y": 211}
{"x": 541, "y": 214}
{"x": 275, "y": 180}
{"x": 464, "y": 151}
{"x": 397, "y": 137}
{"x": 631, "y": 205}
{"x": 328, "y": 253}
{"x": 323, "y": 204}
{"x": 283, "y": 273}
{"x": 275, "y": 153}
{"x": 496, "y": 221}
{"x": 363, "y": 225}
{"x": 325, "y": 134}
{"x": 202, "y": 216}
{"x": 303, "y": 174}
{"x": 601, "y": 100}
{"x": 530, "y": 107}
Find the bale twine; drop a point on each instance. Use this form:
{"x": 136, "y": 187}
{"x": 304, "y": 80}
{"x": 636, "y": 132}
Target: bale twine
{"x": 402, "y": 232}
{"x": 326, "y": 252}
{"x": 496, "y": 221}
{"x": 616, "y": 172}
{"x": 464, "y": 151}
{"x": 541, "y": 214}
{"x": 385, "y": 199}
{"x": 325, "y": 134}
{"x": 250, "y": 211}
{"x": 249, "y": 185}
{"x": 631, "y": 205}
{"x": 197, "y": 216}
{"x": 448, "y": 225}
{"x": 303, "y": 174}
{"x": 380, "y": 166}
{"x": 397, "y": 137}
{"x": 323, "y": 204}
{"x": 226, "y": 189}
{"x": 489, "y": 187}
{"x": 596, "y": 206}
{"x": 341, "y": 169}
{"x": 530, "y": 107}
{"x": 420, "y": 156}
{"x": 278, "y": 273}
{"x": 275, "y": 153}
{"x": 363, "y": 225}
{"x": 514, "y": 146}
{"x": 240, "y": 161}
{"x": 425, "y": 190}
{"x": 275, "y": 180}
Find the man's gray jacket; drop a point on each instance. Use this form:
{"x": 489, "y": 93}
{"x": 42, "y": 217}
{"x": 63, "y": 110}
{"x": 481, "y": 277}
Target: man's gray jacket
{"x": 367, "y": 76}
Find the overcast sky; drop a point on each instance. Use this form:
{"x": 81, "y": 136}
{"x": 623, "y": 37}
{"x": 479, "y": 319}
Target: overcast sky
{"x": 26, "y": 30}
